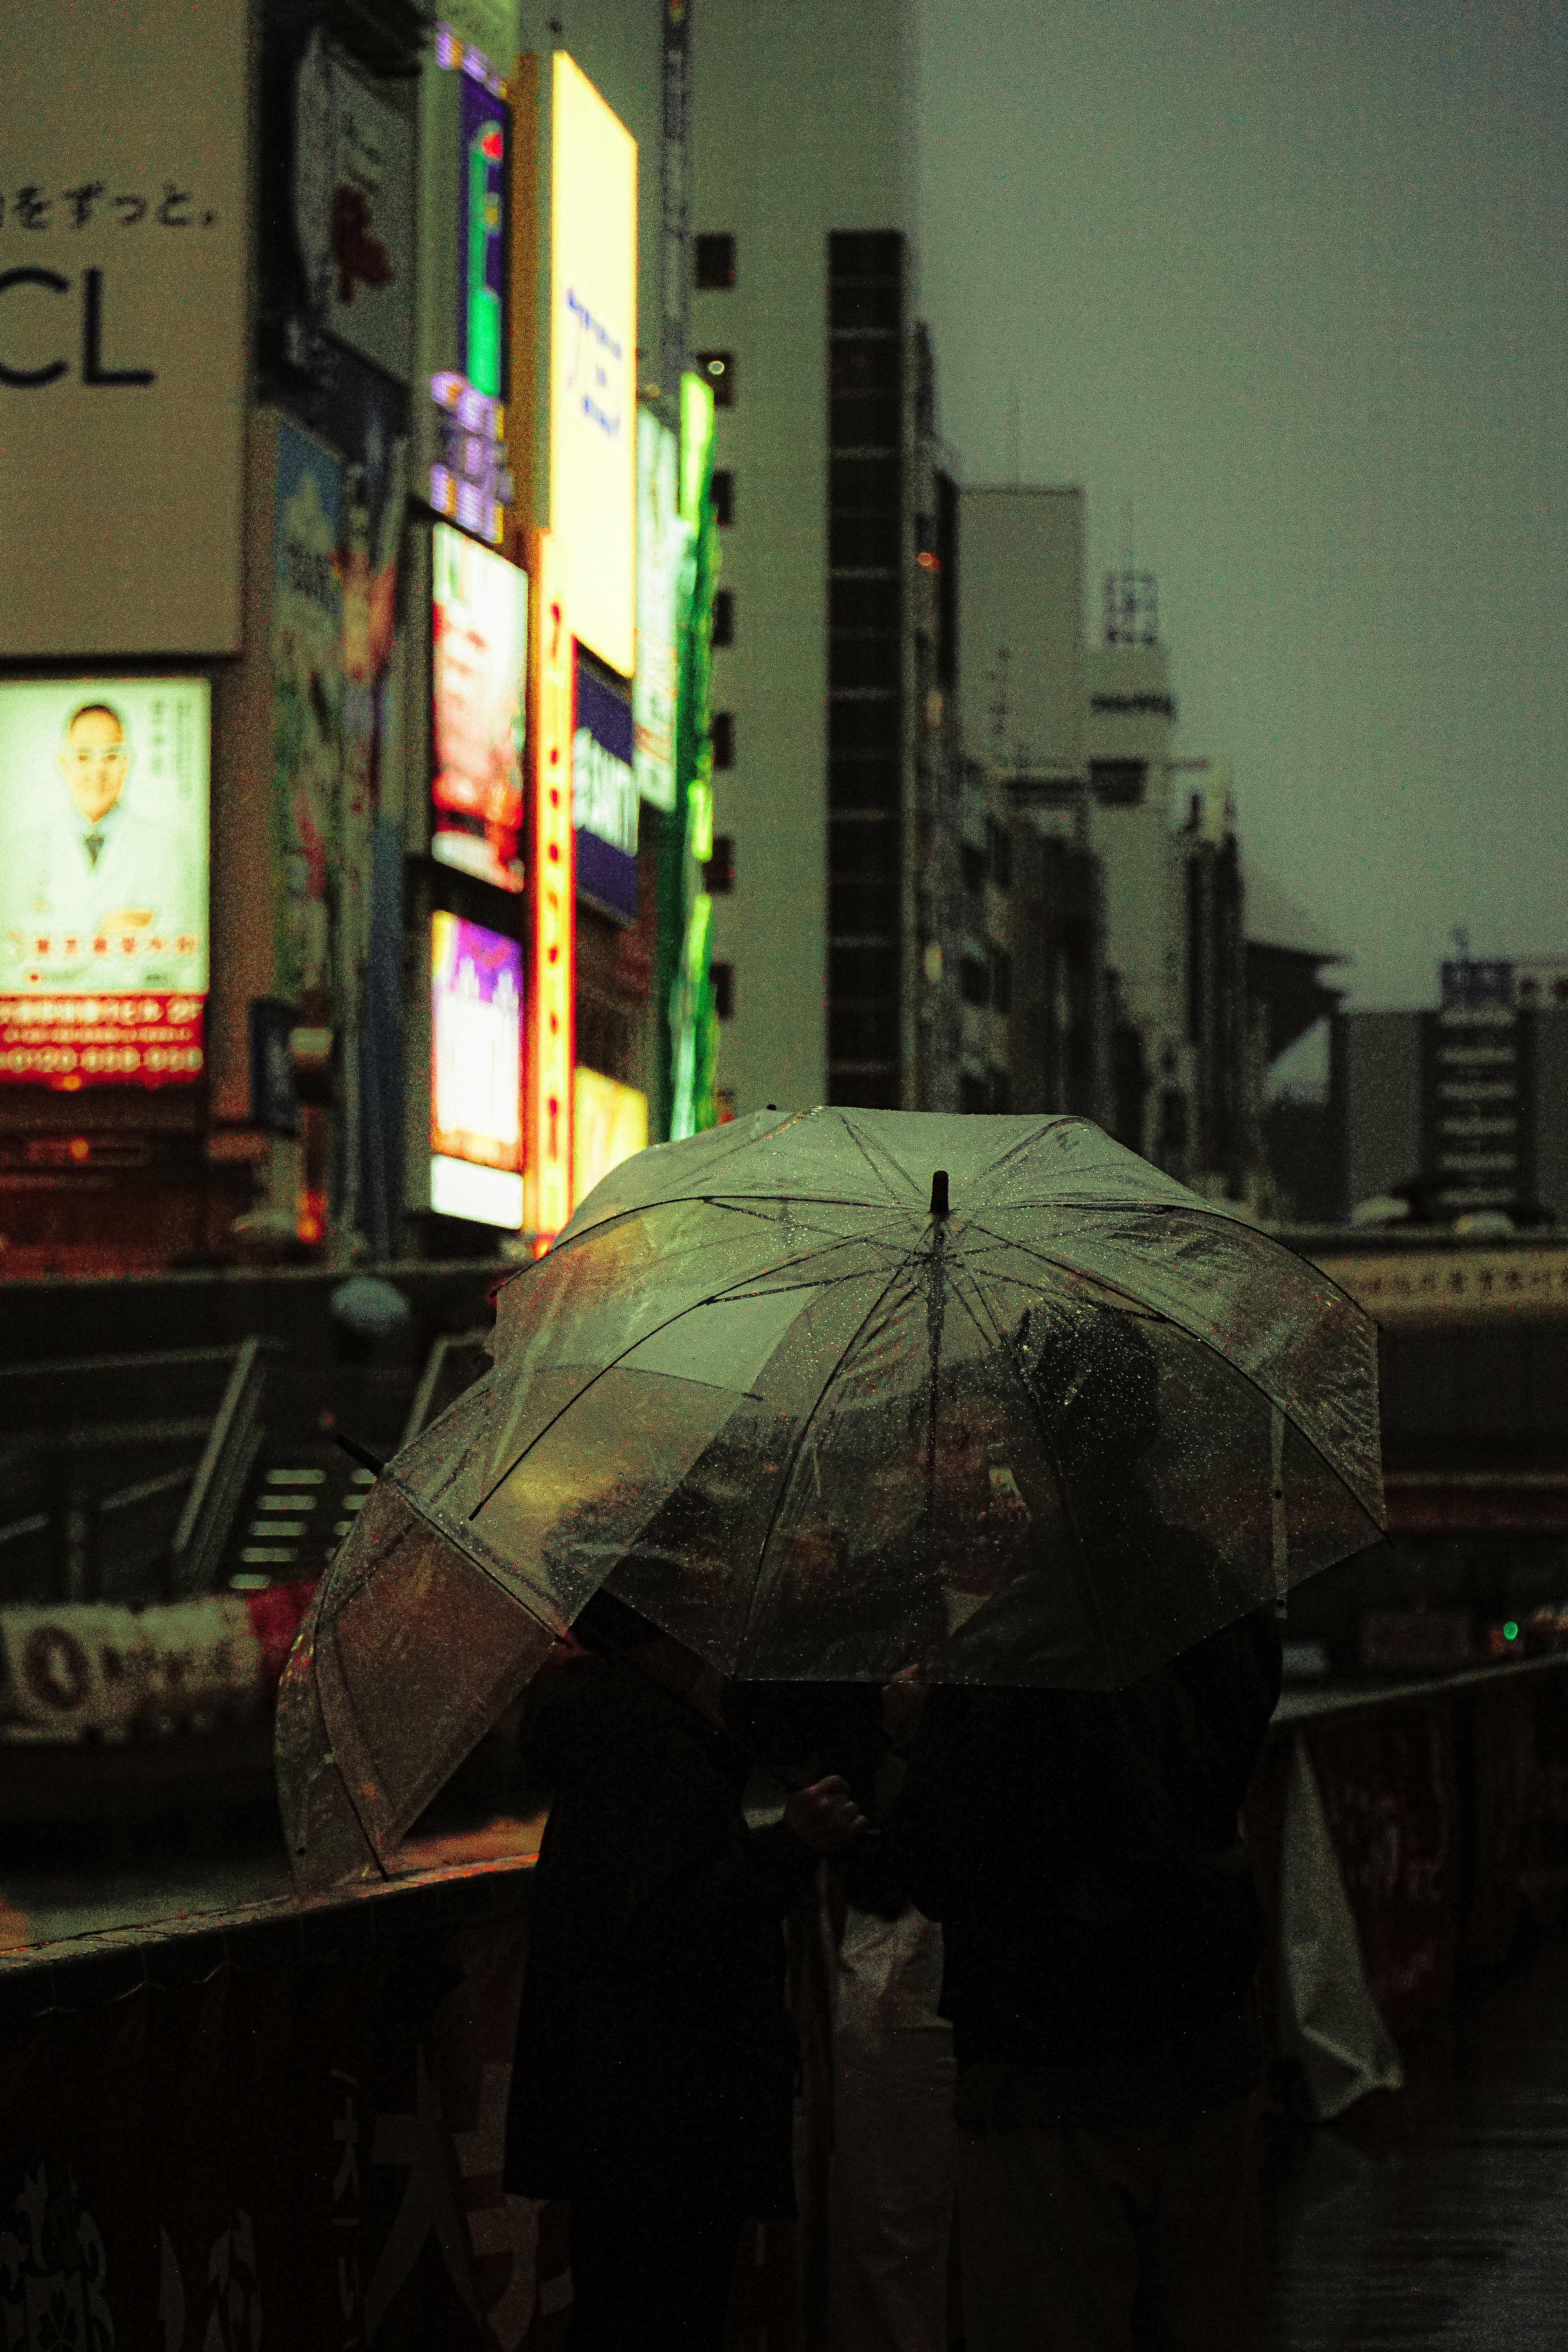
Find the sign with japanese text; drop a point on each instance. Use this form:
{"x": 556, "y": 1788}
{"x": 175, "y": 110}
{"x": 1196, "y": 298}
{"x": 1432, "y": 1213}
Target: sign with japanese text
{"x": 593, "y": 363}
{"x": 123, "y": 248}
{"x": 103, "y": 880}
{"x": 604, "y": 799}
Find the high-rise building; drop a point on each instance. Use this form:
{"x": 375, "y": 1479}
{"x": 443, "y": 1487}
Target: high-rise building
{"x": 804, "y": 321}
{"x": 1462, "y": 1107}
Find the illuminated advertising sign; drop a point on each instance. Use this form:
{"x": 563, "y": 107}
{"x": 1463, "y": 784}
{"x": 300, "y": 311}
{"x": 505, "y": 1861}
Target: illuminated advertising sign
{"x": 469, "y": 479}
{"x": 476, "y": 1073}
{"x": 661, "y": 546}
{"x": 604, "y": 799}
{"x": 551, "y": 1041}
{"x": 124, "y": 252}
{"x": 685, "y": 988}
{"x": 593, "y": 363}
{"x": 306, "y": 729}
{"x": 609, "y": 1124}
{"x": 480, "y": 660}
{"x": 481, "y": 112}
{"x": 103, "y": 881}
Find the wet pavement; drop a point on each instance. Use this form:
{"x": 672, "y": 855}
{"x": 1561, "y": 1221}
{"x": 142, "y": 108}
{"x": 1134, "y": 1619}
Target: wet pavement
{"x": 1437, "y": 2215}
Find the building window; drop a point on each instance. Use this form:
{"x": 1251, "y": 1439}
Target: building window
{"x": 724, "y": 618}
{"x": 974, "y": 980}
{"x": 723, "y": 738}
{"x": 723, "y": 976}
{"x": 715, "y": 263}
{"x": 973, "y": 862}
{"x": 1118, "y": 783}
{"x": 999, "y": 849}
{"x": 718, "y": 874}
{"x": 718, "y": 367}
{"x": 724, "y": 496}
{"x": 1001, "y": 980}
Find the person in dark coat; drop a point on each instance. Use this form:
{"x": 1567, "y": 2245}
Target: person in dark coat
{"x": 1082, "y": 1851}
{"x": 655, "y": 2060}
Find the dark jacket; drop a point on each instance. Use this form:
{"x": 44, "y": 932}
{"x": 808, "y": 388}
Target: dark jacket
{"x": 656, "y": 2059}
{"x": 1081, "y": 1849}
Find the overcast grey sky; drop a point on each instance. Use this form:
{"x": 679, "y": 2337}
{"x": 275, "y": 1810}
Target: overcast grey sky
{"x": 1290, "y": 274}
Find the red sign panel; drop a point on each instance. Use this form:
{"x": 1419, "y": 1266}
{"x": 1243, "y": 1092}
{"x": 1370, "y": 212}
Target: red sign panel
{"x": 66, "y": 1042}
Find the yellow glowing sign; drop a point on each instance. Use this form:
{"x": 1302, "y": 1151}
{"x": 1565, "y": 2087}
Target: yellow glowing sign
{"x": 593, "y": 363}
{"x": 609, "y": 1124}
{"x": 555, "y": 903}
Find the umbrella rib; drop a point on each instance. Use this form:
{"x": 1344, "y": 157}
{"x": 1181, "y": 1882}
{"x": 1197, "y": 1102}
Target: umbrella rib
{"x": 712, "y": 1298}
{"x": 863, "y": 1147}
{"x": 807, "y": 1422}
{"x": 1204, "y": 1339}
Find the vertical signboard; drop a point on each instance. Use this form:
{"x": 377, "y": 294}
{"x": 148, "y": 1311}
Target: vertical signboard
{"x": 593, "y": 363}
{"x": 481, "y": 115}
{"x": 476, "y": 1073}
{"x": 686, "y": 910}
{"x": 468, "y": 124}
{"x": 307, "y": 711}
{"x": 604, "y": 799}
{"x": 123, "y": 329}
{"x": 103, "y": 881}
{"x": 661, "y": 543}
{"x": 351, "y": 211}
{"x": 550, "y": 1040}
{"x": 479, "y": 621}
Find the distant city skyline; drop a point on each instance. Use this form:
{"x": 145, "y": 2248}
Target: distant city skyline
{"x": 1292, "y": 281}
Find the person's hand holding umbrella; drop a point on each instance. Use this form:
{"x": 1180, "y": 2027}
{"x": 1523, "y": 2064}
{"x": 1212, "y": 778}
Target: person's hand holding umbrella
{"x": 825, "y": 1817}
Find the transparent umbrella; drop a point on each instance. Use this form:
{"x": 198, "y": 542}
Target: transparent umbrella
{"x": 831, "y": 1395}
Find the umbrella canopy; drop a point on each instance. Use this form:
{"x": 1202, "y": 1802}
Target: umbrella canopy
{"x": 831, "y": 1394}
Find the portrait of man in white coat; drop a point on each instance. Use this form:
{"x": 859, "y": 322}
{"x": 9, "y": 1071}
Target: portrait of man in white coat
{"x": 94, "y": 866}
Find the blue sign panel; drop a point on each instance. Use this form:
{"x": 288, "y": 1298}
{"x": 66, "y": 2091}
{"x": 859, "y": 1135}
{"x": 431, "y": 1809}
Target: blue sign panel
{"x": 604, "y": 799}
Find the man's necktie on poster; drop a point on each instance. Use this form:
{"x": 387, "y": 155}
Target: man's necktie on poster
{"x": 92, "y": 845}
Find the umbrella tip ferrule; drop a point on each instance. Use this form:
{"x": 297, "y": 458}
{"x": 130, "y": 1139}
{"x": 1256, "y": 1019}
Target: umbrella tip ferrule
{"x": 939, "y": 1203}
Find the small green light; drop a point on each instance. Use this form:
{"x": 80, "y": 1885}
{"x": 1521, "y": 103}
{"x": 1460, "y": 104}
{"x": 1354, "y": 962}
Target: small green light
{"x": 1510, "y": 1632}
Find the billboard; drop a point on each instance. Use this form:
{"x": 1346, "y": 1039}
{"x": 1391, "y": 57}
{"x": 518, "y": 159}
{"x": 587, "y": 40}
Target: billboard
{"x": 468, "y": 129}
{"x": 593, "y": 363}
{"x": 604, "y": 799}
{"x": 476, "y": 1073}
{"x": 661, "y": 547}
{"x": 307, "y": 711}
{"x": 480, "y": 658}
{"x": 352, "y": 208}
{"x": 123, "y": 329}
{"x": 609, "y": 1124}
{"x": 103, "y": 880}
{"x": 684, "y": 987}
